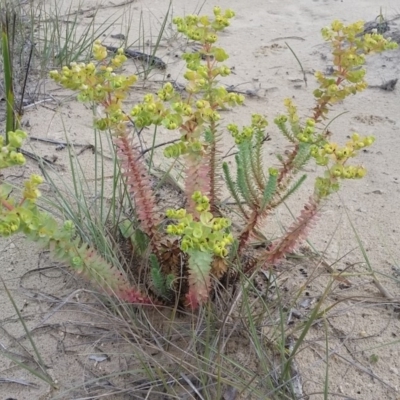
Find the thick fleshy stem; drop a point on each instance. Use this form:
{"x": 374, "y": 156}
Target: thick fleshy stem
{"x": 197, "y": 179}
{"x": 298, "y": 231}
{"x": 97, "y": 270}
{"x": 213, "y": 167}
{"x": 139, "y": 184}
{"x": 199, "y": 278}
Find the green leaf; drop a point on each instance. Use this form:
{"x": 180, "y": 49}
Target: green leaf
{"x": 199, "y": 276}
{"x": 161, "y": 286}
{"x": 302, "y": 157}
{"x": 284, "y": 130}
{"x": 5, "y": 190}
{"x": 220, "y": 54}
{"x": 241, "y": 182}
{"x": 205, "y": 218}
{"x": 126, "y": 228}
{"x": 232, "y": 187}
{"x": 246, "y": 155}
{"x": 269, "y": 191}
{"x": 256, "y": 160}
{"x": 293, "y": 188}
{"x": 140, "y": 241}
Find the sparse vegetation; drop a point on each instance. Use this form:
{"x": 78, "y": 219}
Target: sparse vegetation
{"x": 193, "y": 257}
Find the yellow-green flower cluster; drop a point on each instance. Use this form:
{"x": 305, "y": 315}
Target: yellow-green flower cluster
{"x": 208, "y": 234}
{"x": 205, "y": 112}
{"x": 16, "y": 215}
{"x": 307, "y": 134}
{"x": 258, "y": 121}
{"x": 194, "y": 115}
{"x": 175, "y": 150}
{"x": 347, "y": 172}
{"x": 335, "y": 90}
{"x": 151, "y": 111}
{"x": 338, "y": 157}
{"x": 246, "y": 133}
{"x": 166, "y": 92}
{"x": 291, "y": 110}
{"x": 201, "y": 78}
{"x": 258, "y": 124}
{"x": 280, "y": 121}
{"x": 31, "y": 191}
{"x": 202, "y": 28}
{"x": 9, "y": 154}
{"x": 331, "y": 151}
{"x": 76, "y": 76}
{"x": 99, "y": 84}
{"x": 370, "y": 42}
{"x": 304, "y": 134}
{"x": 94, "y": 83}
{"x": 202, "y": 202}
{"x": 9, "y": 223}
{"x": 99, "y": 51}
{"x": 349, "y": 46}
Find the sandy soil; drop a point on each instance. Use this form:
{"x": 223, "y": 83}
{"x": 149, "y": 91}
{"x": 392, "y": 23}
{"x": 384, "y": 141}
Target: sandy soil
{"x": 364, "y": 350}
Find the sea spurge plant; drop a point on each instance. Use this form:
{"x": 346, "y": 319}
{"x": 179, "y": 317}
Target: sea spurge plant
{"x": 31, "y": 190}
{"x": 205, "y": 232}
{"x": 99, "y": 85}
{"x": 23, "y": 215}
{"x": 193, "y": 247}
{"x": 198, "y": 113}
{"x": 336, "y": 158}
{"x": 9, "y": 155}
{"x": 310, "y": 140}
{"x": 203, "y": 238}
{"x": 349, "y": 48}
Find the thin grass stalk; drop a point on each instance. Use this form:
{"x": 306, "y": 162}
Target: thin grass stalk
{"x": 32, "y": 371}
{"x": 152, "y": 148}
{"x": 377, "y": 283}
{"x": 44, "y": 376}
{"x": 27, "y": 69}
{"x": 326, "y": 383}
{"x": 162, "y": 29}
{"x": 299, "y": 62}
{"x": 313, "y": 317}
{"x": 8, "y": 79}
{"x": 58, "y": 45}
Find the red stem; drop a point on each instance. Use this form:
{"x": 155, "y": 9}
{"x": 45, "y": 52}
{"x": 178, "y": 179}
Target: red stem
{"x": 7, "y": 205}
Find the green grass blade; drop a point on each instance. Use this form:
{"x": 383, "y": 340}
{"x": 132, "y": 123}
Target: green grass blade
{"x": 8, "y": 81}
{"x": 300, "y": 64}
{"x": 39, "y": 359}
